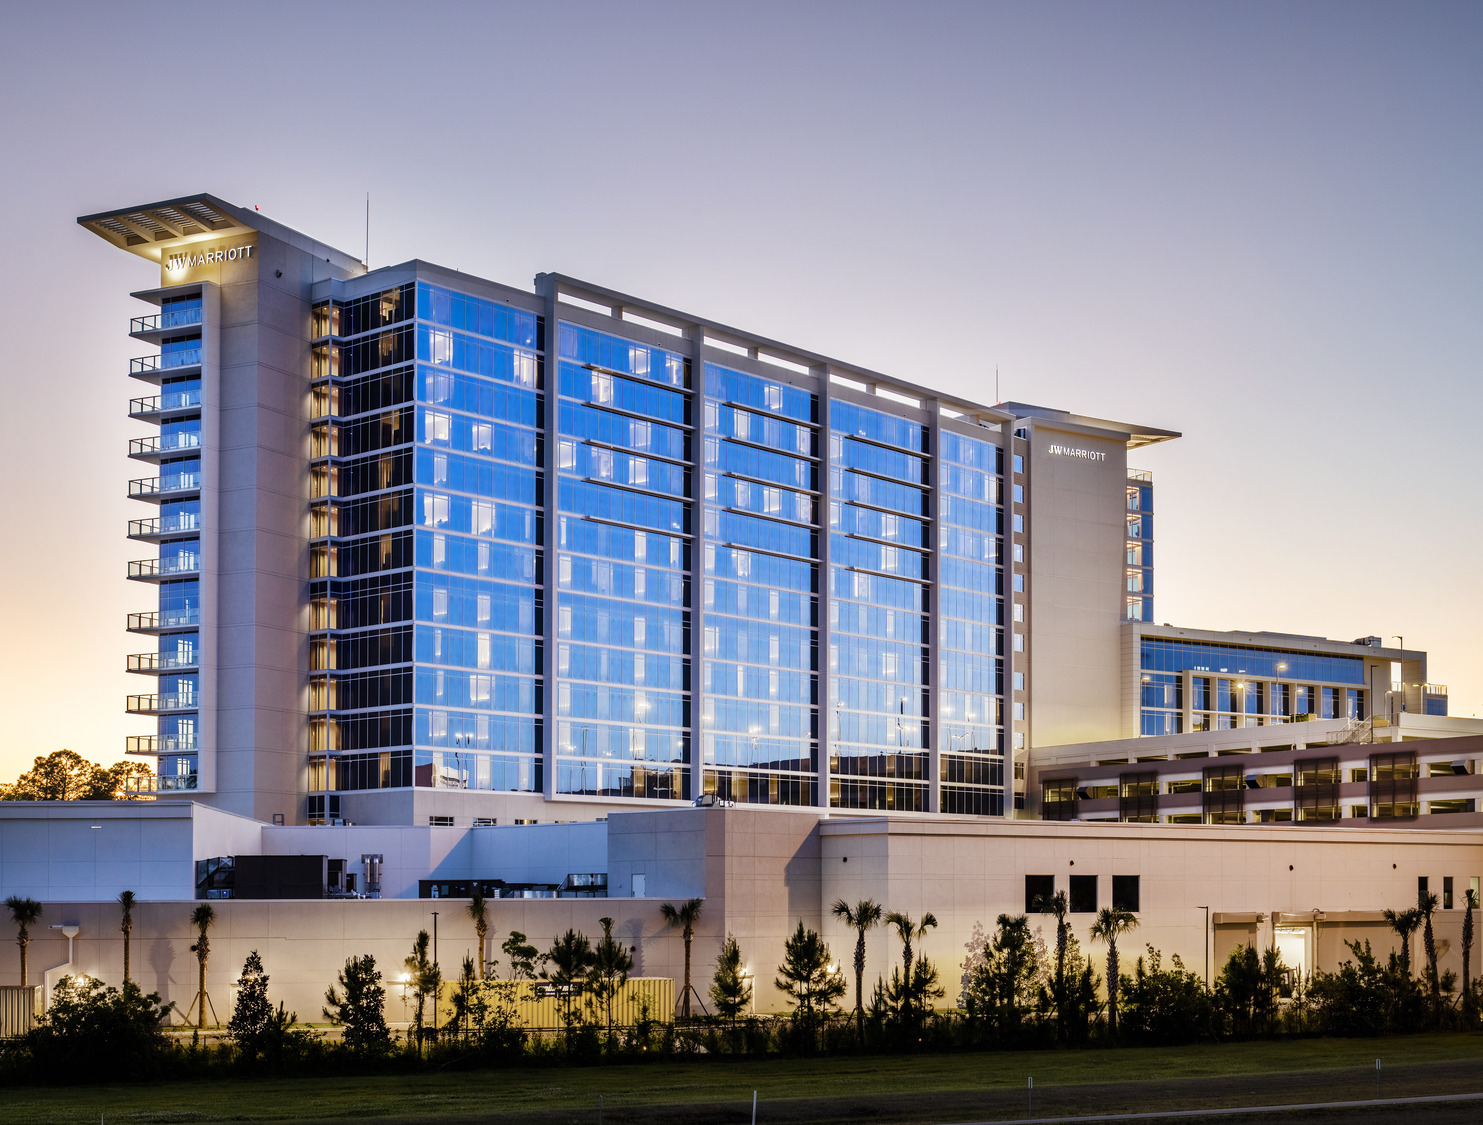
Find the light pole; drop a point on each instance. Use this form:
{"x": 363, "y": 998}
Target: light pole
{"x": 1281, "y": 714}
{"x": 1398, "y": 710}
{"x": 437, "y": 996}
{"x": 1206, "y": 909}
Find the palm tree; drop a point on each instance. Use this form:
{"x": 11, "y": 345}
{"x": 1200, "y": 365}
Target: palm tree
{"x": 25, "y": 913}
{"x": 1471, "y": 898}
{"x": 1111, "y": 922}
{"x": 907, "y": 930}
{"x": 201, "y": 918}
{"x": 1404, "y": 923}
{"x": 1426, "y": 906}
{"x": 479, "y": 913}
{"x": 685, "y": 916}
{"x": 126, "y": 924}
{"x": 864, "y": 915}
{"x": 1056, "y": 904}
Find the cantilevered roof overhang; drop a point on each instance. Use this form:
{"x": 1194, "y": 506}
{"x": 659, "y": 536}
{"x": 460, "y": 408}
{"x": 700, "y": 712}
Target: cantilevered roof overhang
{"x": 1136, "y": 436}
{"x": 152, "y": 229}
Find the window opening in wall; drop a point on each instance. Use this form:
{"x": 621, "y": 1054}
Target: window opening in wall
{"x": 1446, "y": 892}
{"x": 1223, "y": 794}
{"x": 1316, "y": 792}
{"x": 1038, "y": 887}
{"x": 1125, "y": 893}
{"x": 1058, "y": 799}
{"x": 1393, "y": 785}
{"x": 1083, "y": 894}
{"x": 1138, "y": 797}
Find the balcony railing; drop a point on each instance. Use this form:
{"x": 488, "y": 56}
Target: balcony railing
{"x": 161, "y": 662}
{"x": 174, "y": 318}
{"x": 157, "y": 621}
{"x": 155, "y": 704}
{"x": 148, "y": 364}
{"x": 166, "y": 403}
{"x": 166, "y": 783}
{"x": 1143, "y": 476}
{"x": 151, "y": 569}
{"x": 148, "y": 745}
{"x": 159, "y": 444}
{"x": 148, "y": 487}
{"x": 180, "y": 523}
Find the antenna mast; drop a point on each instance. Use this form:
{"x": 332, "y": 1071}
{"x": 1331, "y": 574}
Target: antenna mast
{"x": 367, "y": 261}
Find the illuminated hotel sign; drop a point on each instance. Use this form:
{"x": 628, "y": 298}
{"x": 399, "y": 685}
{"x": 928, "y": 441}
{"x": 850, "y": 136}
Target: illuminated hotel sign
{"x": 1084, "y": 454}
{"x": 189, "y": 258}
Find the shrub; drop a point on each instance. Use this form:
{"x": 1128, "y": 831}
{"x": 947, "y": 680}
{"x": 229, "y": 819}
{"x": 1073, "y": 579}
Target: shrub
{"x": 94, "y": 1033}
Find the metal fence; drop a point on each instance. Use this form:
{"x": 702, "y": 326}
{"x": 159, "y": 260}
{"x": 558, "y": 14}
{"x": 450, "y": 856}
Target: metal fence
{"x": 542, "y": 1006}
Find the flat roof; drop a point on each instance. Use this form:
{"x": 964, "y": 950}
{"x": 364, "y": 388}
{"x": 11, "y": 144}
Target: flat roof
{"x": 1281, "y": 642}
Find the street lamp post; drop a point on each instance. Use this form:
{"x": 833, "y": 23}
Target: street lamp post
{"x": 437, "y": 996}
{"x": 1281, "y": 714}
{"x": 1206, "y": 909}
{"x": 1397, "y": 710}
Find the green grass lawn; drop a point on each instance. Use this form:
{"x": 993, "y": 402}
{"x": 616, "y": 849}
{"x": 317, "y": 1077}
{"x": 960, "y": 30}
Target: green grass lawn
{"x": 915, "y": 1088}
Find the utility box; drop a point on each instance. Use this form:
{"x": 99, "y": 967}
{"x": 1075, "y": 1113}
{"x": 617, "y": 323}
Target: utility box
{"x": 19, "y": 1008}
{"x": 281, "y": 876}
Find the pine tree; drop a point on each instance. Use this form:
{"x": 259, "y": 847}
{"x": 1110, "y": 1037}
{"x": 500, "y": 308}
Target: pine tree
{"x": 807, "y": 975}
{"x": 731, "y": 992}
{"x": 359, "y": 1006}
{"x": 253, "y": 1012}
{"x": 611, "y": 964}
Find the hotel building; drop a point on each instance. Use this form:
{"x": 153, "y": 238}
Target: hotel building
{"x": 429, "y": 549}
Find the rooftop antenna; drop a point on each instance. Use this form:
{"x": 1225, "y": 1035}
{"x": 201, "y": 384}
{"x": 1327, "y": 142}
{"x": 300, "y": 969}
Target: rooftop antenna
{"x": 367, "y": 260}
{"x": 997, "y": 399}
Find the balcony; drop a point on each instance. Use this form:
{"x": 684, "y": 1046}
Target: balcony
{"x": 156, "y": 622}
{"x": 166, "y": 783}
{"x": 159, "y": 446}
{"x": 165, "y": 361}
{"x": 152, "y": 408}
{"x": 152, "y": 745}
{"x": 150, "y": 328}
{"x": 163, "y": 663}
{"x": 159, "y": 570}
{"x": 181, "y": 525}
{"x": 156, "y": 489}
{"x": 160, "y": 704}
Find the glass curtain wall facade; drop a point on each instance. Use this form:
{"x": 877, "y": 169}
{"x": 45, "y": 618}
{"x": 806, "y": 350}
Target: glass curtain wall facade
{"x": 625, "y": 435}
{"x": 176, "y": 532}
{"x": 761, "y": 584}
{"x": 879, "y": 609}
{"x": 970, "y": 614}
{"x": 425, "y": 599}
{"x": 1230, "y": 686}
{"x": 695, "y": 530}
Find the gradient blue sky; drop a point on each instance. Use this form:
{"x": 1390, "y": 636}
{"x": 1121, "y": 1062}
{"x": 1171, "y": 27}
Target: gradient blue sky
{"x": 1256, "y": 223}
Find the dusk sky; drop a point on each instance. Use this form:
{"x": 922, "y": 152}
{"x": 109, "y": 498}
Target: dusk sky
{"x": 1258, "y": 224}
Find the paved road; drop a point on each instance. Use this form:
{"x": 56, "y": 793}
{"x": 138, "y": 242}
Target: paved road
{"x": 1239, "y": 1111}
